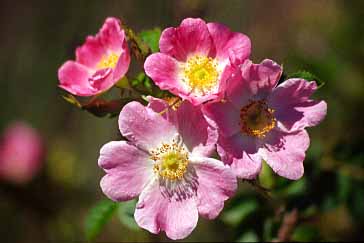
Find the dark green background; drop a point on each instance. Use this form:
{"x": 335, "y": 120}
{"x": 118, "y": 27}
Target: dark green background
{"x": 324, "y": 37}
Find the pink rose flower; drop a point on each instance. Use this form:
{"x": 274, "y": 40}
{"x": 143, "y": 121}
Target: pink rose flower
{"x": 260, "y": 120}
{"x": 197, "y": 59}
{"x": 21, "y": 152}
{"x": 166, "y": 163}
{"x": 100, "y": 62}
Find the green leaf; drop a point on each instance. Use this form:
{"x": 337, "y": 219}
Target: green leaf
{"x": 266, "y": 177}
{"x": 151, "y": 37}
{"x": 307, "y": 76}
{"x": 295, "y": 188}
{"x": 126, "y": 215}
{"x": 123, "y": 83}
{"x": 98, "y": 216}
{"x": 234, "y": 216}
{"x": 305, "y": 233}
{"x": 72, "y": 100}
{"x": 249, "y": 236}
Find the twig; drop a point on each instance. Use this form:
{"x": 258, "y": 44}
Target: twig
{"x": 288, "y": 224}
{"x": 278, "y": 206}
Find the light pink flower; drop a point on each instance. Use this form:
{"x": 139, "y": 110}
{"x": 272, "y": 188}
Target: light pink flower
{"x": 100, "y": 62}
{"x": 166, "y": 163}
{"x": 260, "y": 120}
{"x": 196, "y": 59}
{"x": 21, "y": 152}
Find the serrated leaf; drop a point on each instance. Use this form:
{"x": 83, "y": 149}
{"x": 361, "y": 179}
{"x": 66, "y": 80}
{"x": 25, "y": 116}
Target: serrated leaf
{"x": 151, "y": 37}
{"x": 126, "y": 214}
{"x": 98, "y": 216}
{"x": 235, "y": 215}
{"x": 307, "y": 76}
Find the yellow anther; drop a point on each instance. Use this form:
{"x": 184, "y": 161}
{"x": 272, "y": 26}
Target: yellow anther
{"x": 109, "y": 61}
{"x": 171, "y": 161}
{"x": 201, "y": 73}
{"x": 256, "y": 119}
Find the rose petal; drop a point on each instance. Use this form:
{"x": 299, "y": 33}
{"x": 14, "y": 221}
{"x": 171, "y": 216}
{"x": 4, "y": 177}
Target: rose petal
{"x": 154, "y": 212}
{"x": 228, "y": 44}
{"x": 225, "y": 116}
{"x": 191, "y": 37}
{"x": 293, "y": 107}
{"x": 216, "y": 184}
{"x": 255, "y": 81}
{"x": 91, "y": 52}
{"x": 241, "y": 153}
{"x": 197, "y": 134}
{"x": 145, "y": 127}
{"x": 111, "y": 35}
{"x": 285, "y": 152}
{"x": 128, "y": 170}
{"x": 74, "y": 78}
{"x": 164, "y": 69}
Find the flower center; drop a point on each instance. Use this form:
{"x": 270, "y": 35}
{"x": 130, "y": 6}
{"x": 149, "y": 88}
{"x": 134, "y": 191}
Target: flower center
{"x": 108, "y": 61}
{"x": 256, "y": 119}
{"x": 171, "y": 161}
{"x": 201, "y": 73}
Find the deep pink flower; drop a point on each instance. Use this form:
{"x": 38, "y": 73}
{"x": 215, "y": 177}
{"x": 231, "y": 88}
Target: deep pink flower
{"x": 196, "y": 59}
{"x": 260, "y": 120}
{"x": 166, "y": 163}
{"x": 100, "y": 62}
{"x": 21, "y": 153}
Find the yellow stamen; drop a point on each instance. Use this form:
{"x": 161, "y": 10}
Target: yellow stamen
{"x": 201, "y": 73}
{"x": 171, "y": 161}
{"x": 173, "y": 103}
{"x": 256, "y": 119}
{"x": 109, "y": 61}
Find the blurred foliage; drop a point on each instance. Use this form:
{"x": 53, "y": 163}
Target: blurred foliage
{"x": 98, "y": 217}
{"x": 323, "y": 37}
{"x": 151, "y": 37}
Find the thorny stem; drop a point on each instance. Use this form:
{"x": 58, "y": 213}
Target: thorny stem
{"x": 289, "y": 222}
{"x": 139, "y": 49}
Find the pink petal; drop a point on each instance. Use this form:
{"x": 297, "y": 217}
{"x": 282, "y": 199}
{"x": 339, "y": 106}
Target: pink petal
{"x": 111, "y": 35}
{"x": 191, "y": 37}
{"x": 255, "y": 81}
{"x": 21, "y": 153}
{"x": 128, "y": 170}
{"x": 197, "y": 134}
{"x": 154, "y": 212}
{"x": 145, "y": 127}
{"x": 216, "y": 184}
{"x": 102, "y": 80}
{"x": 74, "y": 78}
{"x": 161, "y": 106}
{"x": 285, "y": 152}
{"x": 241, "y": 153}
{"x": 235, "y": 46}
{"x": 225, "y": 116}
{"x": 164, "y": 69}
{"x": 91, "y": 52}
{"x": 293, "y": 107}
{"x": 123, "y": 63}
